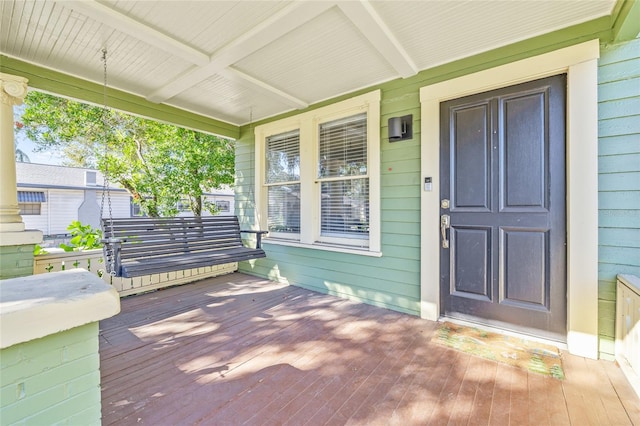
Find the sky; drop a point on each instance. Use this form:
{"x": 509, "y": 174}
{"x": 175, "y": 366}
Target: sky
{"x": 28, "y": 147}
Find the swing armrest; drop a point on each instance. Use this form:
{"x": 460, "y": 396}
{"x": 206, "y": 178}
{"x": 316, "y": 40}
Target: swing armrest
{"x": 258, "y": 235}
{"x": 115, "y": 263}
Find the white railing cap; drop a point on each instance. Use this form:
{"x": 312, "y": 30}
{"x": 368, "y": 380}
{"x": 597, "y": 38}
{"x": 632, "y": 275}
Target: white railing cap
{"x": 40, "y": 305}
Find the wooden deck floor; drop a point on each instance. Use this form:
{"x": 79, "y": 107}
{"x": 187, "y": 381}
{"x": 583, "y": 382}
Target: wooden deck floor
{"x": 239, "y": 350}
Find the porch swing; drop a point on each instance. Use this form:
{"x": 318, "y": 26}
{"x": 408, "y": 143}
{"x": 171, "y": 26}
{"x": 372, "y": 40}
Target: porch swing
{"x": 140, "y": 246}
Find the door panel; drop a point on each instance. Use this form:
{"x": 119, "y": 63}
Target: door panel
{"x": 524, "y": 262}
{"x": 471, "y": 156}
{"x": 524, "y": 164}
{"x": 471, "y": 268}
{"x": 502, "y": 168}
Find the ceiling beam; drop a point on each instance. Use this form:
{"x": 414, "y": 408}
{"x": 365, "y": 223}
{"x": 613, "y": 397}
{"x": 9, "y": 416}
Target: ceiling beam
{"x": 279, "y": 24}
{"x": 260, "y": 86}
{"x": 63, "y": 84}
{"x": 120, "y": 22}
{"x": 371, "y": 25}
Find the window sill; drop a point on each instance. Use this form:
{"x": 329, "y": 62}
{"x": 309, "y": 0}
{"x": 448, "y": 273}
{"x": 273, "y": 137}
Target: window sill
{"x": 324, "y": 247}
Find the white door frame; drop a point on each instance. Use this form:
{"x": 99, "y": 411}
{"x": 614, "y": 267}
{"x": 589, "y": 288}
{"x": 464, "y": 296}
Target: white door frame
{"x": 580, "y": 62}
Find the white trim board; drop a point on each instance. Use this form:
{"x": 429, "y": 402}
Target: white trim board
{"x": 580, "y": 64}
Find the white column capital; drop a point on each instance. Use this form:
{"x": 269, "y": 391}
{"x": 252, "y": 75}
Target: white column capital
{"x": 13, "y": 89}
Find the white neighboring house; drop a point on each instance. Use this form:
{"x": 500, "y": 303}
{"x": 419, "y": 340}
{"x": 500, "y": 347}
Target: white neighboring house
{"x": 51, "y": 197}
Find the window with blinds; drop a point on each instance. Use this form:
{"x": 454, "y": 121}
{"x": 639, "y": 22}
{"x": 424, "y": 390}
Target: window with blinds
{"x": 342, "y": 172}
{"x": 318, "y": 186}
{"x": 282, "y": 177}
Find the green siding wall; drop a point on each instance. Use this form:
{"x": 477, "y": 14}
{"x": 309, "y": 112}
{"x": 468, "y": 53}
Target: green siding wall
{"x": 619, "y": 177}
{"x": 52, "y": 380}
{"x": 392, "y": 281}
{"x": 16, "y": 261}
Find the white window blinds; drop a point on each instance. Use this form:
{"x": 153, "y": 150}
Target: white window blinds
{"x": 345, "y": 208}
{"x": 342, "y": 171}
{"x": 343, "y": 147}
{"x": 282, "y": 176}
{"x": 283, "y": 157}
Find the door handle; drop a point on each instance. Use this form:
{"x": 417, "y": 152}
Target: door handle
{"x": 445, "y": 222}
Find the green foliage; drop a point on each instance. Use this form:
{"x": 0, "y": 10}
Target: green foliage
{"x": 37, "y": 250}
{"x": 83, "y": 237}
{"x": 158, "y": 164}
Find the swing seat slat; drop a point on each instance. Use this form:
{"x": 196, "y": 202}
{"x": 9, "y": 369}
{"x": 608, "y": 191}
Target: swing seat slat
{"x": 135, "y": 247}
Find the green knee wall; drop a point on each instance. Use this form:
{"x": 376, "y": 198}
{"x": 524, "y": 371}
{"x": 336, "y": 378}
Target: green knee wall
{"x": 52, "y": 380}
{"x": 16, "y": 261}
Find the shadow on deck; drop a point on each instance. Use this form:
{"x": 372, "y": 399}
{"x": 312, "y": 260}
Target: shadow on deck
{"x": 237, "y": 350}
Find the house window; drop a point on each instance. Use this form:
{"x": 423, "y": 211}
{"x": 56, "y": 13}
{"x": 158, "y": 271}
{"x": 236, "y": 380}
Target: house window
{"x": 318, "y": 177}
{"x": 136, "y": 211}
{"x": 342, "y": 174}
{"x": 183, "y": 206}
{"x": 30, "y": 202}
{"x": 282, "y": 181}
{"x": 28, "y": 209}
{"x": 223, "y": 206}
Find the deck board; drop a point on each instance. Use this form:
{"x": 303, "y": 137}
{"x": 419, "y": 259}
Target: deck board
{"x": 236, "y": 350}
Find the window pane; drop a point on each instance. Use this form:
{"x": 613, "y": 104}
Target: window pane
{"x": 135, "y": 209}
{"x": 284, "y": 208}
{"x": 29, "y": 209}
{"x": 223, "y": 206}
{"x": 345, "y": 208}
{"x": 283, "y": 157}
{"x": 343, "y": 147}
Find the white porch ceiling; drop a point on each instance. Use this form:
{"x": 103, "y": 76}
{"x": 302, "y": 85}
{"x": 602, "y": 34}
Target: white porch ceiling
{"x": 236, "y": 60}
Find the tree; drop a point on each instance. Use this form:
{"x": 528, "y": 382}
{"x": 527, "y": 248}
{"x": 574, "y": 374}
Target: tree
{"x": 21, "y": 156}
{"x": 158, "y": 164}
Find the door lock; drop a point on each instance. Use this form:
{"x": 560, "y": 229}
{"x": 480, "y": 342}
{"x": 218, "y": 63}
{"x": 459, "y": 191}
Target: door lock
{"x": 445, "y": 223}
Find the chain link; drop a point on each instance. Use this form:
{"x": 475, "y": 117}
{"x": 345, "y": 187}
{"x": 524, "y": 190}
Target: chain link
{"x": 106, "y": 190}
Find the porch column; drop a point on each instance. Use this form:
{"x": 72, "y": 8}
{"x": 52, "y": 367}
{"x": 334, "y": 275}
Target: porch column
{"x": 16, "y": 243}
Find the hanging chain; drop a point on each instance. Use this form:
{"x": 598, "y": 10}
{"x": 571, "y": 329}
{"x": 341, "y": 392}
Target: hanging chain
{"x": 106, "y": 190}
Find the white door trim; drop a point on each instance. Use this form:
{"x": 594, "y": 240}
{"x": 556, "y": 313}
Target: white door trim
{"x": 580, "y": 64}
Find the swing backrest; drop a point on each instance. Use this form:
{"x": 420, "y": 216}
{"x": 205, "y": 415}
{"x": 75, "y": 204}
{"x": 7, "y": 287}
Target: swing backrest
{"x": 142, "y": 246}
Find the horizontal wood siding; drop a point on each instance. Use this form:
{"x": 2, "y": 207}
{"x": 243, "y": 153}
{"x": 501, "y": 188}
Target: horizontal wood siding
{"x": 245, "y": 178}
{"x": 618, "y": 179}
{"x": 41, "y": 221}
{"x": 393, "y": 281}
{"x": 120, "y": 204}
{"x": 63, "y": 209}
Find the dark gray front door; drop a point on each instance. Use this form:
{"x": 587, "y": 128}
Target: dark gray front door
{"x": 503, "y": 174}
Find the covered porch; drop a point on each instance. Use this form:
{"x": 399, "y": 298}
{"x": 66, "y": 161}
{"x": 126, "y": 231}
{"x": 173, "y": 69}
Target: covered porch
{"x": 237, "y": 349}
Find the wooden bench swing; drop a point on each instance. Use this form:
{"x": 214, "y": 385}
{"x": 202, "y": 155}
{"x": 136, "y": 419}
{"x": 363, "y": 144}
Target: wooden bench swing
{"x": 141, "y": 246}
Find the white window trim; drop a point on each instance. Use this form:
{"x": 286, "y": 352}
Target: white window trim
{"x": 261, "y": 188}
{"x": 308, "y": 123}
